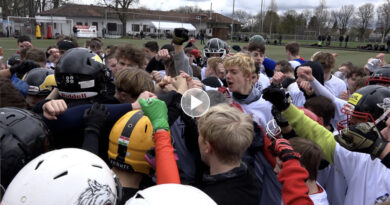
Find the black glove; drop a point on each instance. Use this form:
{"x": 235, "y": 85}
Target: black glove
{"x": 277, "y": 97}
{"x": 363, "y": 137}
{"x": 95, "y": 118}
{"x": 288, "y": 81}
{"x": 282, "y": 149}
{"x": 23, "y": 68}
{"x": 180, "y": 35}
{"x": 280, "y": 120}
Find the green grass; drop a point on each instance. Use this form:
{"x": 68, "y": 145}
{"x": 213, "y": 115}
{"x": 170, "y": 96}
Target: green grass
{"x": 275, "y": 52}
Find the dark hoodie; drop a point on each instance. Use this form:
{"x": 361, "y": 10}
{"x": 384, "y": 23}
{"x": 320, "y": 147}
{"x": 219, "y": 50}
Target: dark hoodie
{"x": 317, "y": 71}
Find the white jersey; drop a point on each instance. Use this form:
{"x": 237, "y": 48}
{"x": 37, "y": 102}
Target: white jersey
{"x": 333, "y": 181}
{"x": 367, "y": 179}
{"x": 298, "y": 98}
{"x": 260, "y": 110}
{"x": 262, "y": 83}
{"x": 319, "y": 198}
{"x": 335, "y": 85}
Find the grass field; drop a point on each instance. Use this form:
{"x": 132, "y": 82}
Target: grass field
{"x": 275, "y": 52}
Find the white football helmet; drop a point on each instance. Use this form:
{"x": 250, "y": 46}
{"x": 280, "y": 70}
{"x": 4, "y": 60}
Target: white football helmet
{"x": 172, "y": 194}
{"x": 65, "y": 176}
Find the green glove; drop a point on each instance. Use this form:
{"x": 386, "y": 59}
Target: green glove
{"x": 363, "y": 137}
{"x": 157, "y": 112}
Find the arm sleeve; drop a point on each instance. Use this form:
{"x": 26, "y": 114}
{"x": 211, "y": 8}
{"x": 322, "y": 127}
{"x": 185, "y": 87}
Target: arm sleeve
{"x": 339, "y": 103}
{"x": 91, "y": 142}
{"x": 321, "y": 90}
{"x": 268, "y": 155}
{"x": 182, "y": 63}
{"x": 166, "y": 167}
{"x": 269, "y": 64}
{"x": 72, "y": 118}
{"x": 294, "y": 189}
{"x": 309, "y": 129}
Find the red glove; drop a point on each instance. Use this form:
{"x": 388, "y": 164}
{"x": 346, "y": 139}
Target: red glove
{"x": 281, "y": 148}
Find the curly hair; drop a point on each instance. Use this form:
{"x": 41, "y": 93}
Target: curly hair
{"x": 128, "y": 52}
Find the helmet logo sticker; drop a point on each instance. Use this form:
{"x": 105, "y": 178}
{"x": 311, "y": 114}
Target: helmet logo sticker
{"x": 87, "y": 84}
{"x": 355, "y": 98}
{"x": 97, "y": 194}
{"x": 97, "y": 59}
{"x": 69, "y": 79}
{"x": 123, "y": 140}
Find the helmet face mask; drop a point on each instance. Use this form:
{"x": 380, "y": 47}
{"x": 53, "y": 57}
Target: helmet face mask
{"x": 367, "y": 104}
{"x": 380, "y": 77}
{"x": 215, "y": 47}
{"x": 353, "y": 117}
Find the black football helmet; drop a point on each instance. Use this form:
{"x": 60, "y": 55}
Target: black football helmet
{"x": 215, "y": 46}
{"x": 367, "y": 104}
{"x": 24, "y": 136}
{"x": 81, "y": 74}
{"x": 380, "y": 76}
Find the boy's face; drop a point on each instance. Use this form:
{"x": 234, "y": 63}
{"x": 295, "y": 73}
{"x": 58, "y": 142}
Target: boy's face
{"x": 352, "y": 80}
{"x": 24, "y": 44}
{"x": 236, "y": 80}
{"x": 112, "y": 65}
{"x": 149, "y": 54}
{"x": 258, "y": 56}
{"x": 124, "y": 63}
{"x": 220, "y": 71}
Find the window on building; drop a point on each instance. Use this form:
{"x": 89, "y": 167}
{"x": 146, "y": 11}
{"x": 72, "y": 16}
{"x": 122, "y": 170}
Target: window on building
{"x": 145, "y": 28}
{"x": 55, "y": 25}
{"x": 111, "y": 26}
{"x": 86, "y": 23}
{"x": 135, "y": 27}
{"x": 95, "y": 24}
{"x": 79, "y": 23}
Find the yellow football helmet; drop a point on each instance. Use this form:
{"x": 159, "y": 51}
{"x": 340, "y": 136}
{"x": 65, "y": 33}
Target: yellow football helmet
{"x": 130, "y": 138}
{"x": 41, "y": 81}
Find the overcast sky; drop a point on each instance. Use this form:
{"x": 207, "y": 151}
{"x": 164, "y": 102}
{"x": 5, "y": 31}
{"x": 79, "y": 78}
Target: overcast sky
{"x": 251, "y": 6}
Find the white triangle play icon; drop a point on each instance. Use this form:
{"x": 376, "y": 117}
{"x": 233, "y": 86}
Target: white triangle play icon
{"x": 195, "y": 102}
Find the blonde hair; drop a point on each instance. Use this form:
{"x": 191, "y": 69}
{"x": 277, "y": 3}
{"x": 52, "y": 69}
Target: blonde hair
{"x": 327, "y": 61}
{"x": 243, "y": 61}
{"x": 133, "y": 81}
{"x": 213, "y": 62}
{"x": 228, "y": 130}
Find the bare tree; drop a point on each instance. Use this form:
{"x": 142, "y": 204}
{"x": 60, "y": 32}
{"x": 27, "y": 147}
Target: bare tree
{"x": 272, "y": 10}
{"x": 188, "y": 9}
{"x": 322, "y": 15}
{"x": 383, "y": 23}
{"x": 364, "y": 16}
{"x": 243, "y": 17}
{"x": 343, "y": 17}
{"x": 121, "y": 9}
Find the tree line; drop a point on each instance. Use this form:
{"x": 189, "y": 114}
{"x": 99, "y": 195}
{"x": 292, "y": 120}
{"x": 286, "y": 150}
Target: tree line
{"x": 358, "y": 22}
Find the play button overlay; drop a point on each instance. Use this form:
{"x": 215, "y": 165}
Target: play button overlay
{"x": 195, "y": 102}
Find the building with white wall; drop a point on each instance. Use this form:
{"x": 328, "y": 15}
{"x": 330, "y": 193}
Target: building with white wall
{"x": 151, "y": 22}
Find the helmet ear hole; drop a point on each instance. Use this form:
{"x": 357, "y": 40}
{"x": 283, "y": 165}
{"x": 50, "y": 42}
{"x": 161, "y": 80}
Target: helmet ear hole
{"x": 89, "y": 62}
{"x": 146, "y": 128}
